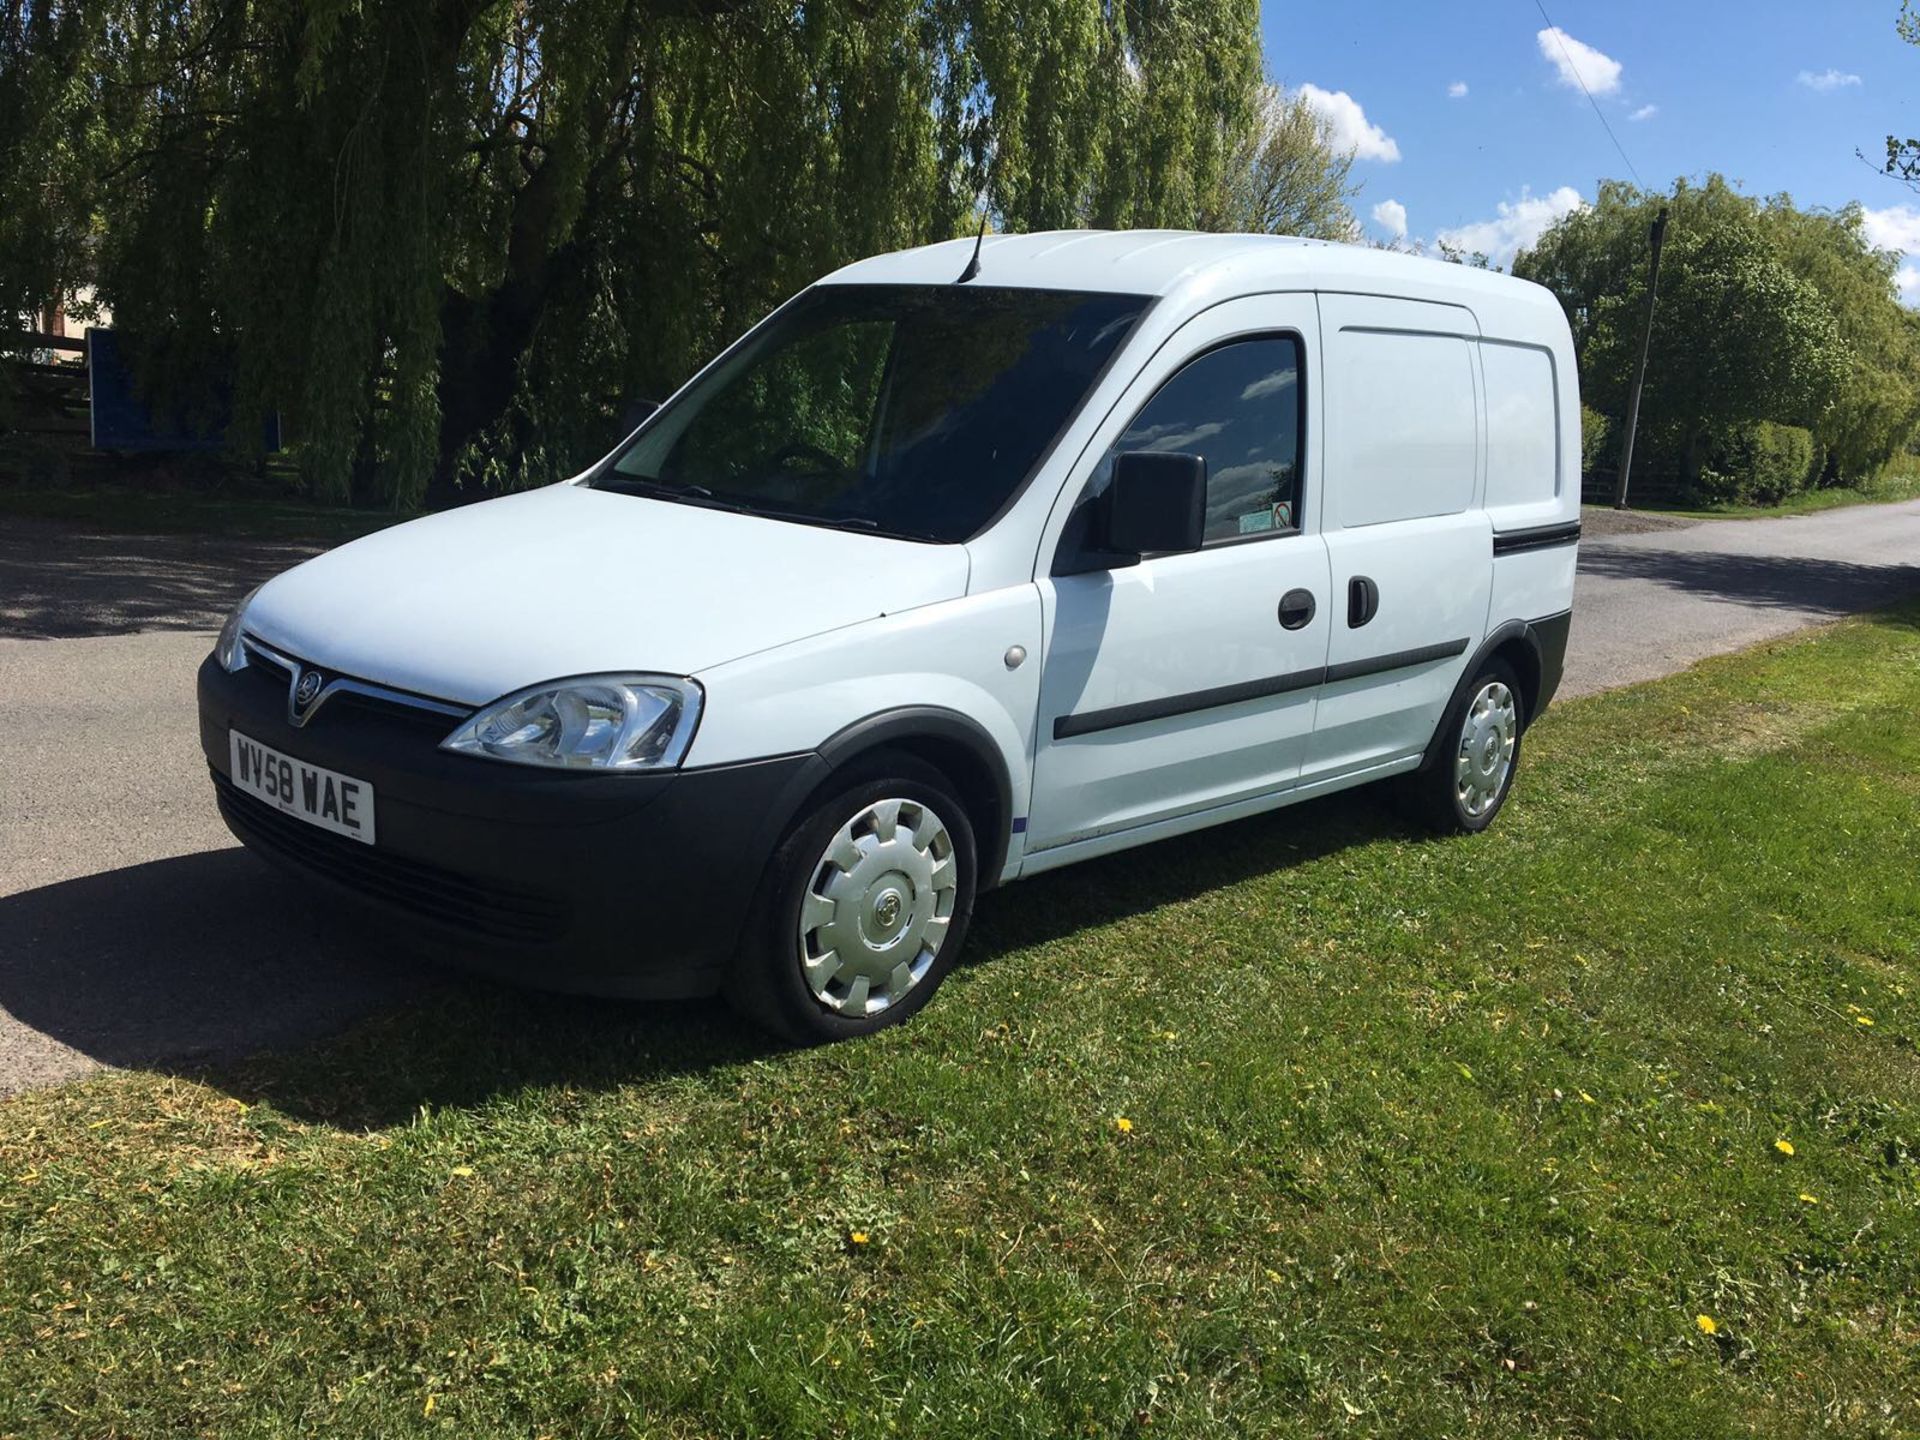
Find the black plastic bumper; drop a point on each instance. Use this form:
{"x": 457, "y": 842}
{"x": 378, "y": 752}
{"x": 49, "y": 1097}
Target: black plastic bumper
{"x": 607, "y": 884}
{"x": 1550, "y": 635}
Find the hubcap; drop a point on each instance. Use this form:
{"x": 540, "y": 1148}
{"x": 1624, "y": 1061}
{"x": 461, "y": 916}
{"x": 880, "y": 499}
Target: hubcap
{"x": 1485, "y": 757}
{"x": 878, "y": 907}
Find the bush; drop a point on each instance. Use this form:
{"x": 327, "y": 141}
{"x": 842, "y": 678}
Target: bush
{"x": 1596, "y": 440}
{"x": 1757, "y": 464}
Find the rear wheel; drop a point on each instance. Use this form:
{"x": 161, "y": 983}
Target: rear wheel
{"x": 864, "y": 906}
{"x": 1469, "y": 780}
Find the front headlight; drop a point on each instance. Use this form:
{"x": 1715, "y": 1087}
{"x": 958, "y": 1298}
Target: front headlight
{"x": 595, "y": 722}
{"x": 228, "y": 650}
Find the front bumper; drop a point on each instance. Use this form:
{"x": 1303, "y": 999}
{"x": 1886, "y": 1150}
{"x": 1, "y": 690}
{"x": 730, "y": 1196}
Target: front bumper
{"x": 606, "y": 884}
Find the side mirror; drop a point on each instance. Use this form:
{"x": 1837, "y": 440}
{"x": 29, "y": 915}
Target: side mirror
{"x": 1157, "y": 503}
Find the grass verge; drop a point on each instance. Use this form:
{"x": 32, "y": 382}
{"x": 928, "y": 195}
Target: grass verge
{"x": 1606, "y": 1123}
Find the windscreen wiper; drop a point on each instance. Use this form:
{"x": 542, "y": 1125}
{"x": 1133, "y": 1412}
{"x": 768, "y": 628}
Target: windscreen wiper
{"x": 664, "y": 490}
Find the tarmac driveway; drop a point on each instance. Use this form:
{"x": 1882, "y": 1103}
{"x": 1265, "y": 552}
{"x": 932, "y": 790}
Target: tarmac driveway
{"x": 134, "y": 932}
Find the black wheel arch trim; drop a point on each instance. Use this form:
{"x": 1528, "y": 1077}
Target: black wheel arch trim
{"x": 902, "y": 726}
{"x": 1545, "y": 639}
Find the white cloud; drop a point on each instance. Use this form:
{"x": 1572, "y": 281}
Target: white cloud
{"x": 1271, "y": 383}
{"x": 1515, "y": 226}
{"x": 1827, "y": 80}
{"x": 1897, "y": 228}
{"x": 1391, "y": 216}
{"x": 1457, "y": 90}
{"x": 1347, "y": 127}
{"x": 1576, "y": 61}
{"x": 1645, "y": 112}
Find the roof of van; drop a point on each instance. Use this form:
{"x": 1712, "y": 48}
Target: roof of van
{"x": 1160, "y": 262}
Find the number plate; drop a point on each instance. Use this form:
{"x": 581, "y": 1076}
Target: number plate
{"x": 325, "y": 798}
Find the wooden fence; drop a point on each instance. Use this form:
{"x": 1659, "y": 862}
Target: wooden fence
{"x": 1650, "y": 486}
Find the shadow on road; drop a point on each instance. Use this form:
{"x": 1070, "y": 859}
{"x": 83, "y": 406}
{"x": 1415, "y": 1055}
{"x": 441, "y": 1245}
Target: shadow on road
{"x": 1832, "y": 587}
{"x": 191, "y": 960}
{"x": 58, "y": 581}
{"x": 216, "y": 967}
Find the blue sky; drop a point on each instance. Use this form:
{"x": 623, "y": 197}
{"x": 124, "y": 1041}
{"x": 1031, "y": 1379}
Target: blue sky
{"x": 1777, "y": 96}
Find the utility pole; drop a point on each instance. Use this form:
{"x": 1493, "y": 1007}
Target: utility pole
{"x": 1640, "y": 365}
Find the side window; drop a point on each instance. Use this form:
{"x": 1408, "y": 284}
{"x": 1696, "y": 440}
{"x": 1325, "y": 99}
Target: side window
{"x": 1238, "y": 407}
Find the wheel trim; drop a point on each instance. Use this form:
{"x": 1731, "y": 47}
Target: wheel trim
{"x": 877, "y": 908}
{"x": 1483, "y": 762}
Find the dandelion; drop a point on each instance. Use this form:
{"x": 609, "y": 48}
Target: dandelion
{"x": 1809, "y": 1199}
{"x": 432, "y": 1400}
{"x": 859, "y": 1237}
{"x": 1123, "y": 1124}
{"x": 1785, "y": 1147}
{"x": 1586, "y": 1099}
{"x": 1707, "y": 1327}
{"x": 1863, "y": 1019}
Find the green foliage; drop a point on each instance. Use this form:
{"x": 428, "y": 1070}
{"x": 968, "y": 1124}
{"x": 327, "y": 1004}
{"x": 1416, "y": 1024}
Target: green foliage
{"x": 1767, "y": 313}
{"x": 454, "y": 238}
{"x": 1759, "y": 463}
{"x": 1597, "y": 445}
{"x": 1284, "y": 176}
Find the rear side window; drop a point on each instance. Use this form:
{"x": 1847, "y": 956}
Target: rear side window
{"x": 1236, "y": 406}
{"x": 1403, "y": 426}
{"x": 1523, "y": 440}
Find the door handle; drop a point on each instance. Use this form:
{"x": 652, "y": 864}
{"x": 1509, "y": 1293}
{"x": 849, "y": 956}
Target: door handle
{"x": 1363, "y": 601}
{"x": 1296, "y": 609}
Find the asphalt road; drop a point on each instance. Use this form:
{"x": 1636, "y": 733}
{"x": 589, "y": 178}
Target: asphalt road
{"x": 133, "y": 932}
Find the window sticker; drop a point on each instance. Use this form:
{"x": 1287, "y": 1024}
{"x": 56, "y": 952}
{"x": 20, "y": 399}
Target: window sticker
{"x": 1256, "y": 521}
{"x": 1282, "y": 515}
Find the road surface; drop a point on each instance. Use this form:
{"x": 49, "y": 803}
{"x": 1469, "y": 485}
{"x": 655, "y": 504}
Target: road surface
{"x": 133, "y": 931}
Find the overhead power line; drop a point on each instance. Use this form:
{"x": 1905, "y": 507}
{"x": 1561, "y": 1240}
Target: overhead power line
{"x": 1574, "y": 70}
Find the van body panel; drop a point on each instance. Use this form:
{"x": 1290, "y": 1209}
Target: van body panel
{"x": 1405, "y": 444}
{"x": 1171, "y": 685}
{"x": 953, "y": 656}
{"x": 471, "y": 604}
{"x": 1532, "y": 584}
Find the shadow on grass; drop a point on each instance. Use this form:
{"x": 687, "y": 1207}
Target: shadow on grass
{"x": 217, "y": 968}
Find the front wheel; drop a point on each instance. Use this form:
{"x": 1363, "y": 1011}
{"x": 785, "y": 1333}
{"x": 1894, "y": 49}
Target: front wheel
{"x": 1469, "y": 780}
{"x": 863, "y": 909}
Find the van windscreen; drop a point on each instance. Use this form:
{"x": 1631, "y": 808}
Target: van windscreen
{"x": 916, "y": 411}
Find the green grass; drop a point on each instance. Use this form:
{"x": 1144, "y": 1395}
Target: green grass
{"x": 1422, "y": 1138}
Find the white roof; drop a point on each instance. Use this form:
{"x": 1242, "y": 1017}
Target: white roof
{"x": 1203, "y": 267}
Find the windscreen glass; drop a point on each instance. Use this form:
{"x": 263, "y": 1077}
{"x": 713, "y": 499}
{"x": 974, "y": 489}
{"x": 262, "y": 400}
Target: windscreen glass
{"x": 910, "y": 411}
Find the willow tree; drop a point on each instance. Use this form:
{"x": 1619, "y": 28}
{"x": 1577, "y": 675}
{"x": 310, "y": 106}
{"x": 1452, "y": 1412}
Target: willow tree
{"x": 1286, "y": 176}
{"x": 447, "y": 238}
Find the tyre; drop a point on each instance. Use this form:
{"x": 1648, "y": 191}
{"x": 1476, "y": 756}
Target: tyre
{"x": 1468, "y": 782}
{"x": 863, "y": 908}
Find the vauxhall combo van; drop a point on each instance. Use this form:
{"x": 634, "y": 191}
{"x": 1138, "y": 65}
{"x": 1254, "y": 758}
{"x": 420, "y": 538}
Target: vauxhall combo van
{"x": 966, "y": 563}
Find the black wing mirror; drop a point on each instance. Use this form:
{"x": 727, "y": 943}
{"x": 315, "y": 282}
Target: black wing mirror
{"x": 1157, "y": 503}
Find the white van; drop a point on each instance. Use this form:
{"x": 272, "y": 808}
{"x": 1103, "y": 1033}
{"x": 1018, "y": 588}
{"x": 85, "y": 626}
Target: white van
{"x": 966, "y": 563}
